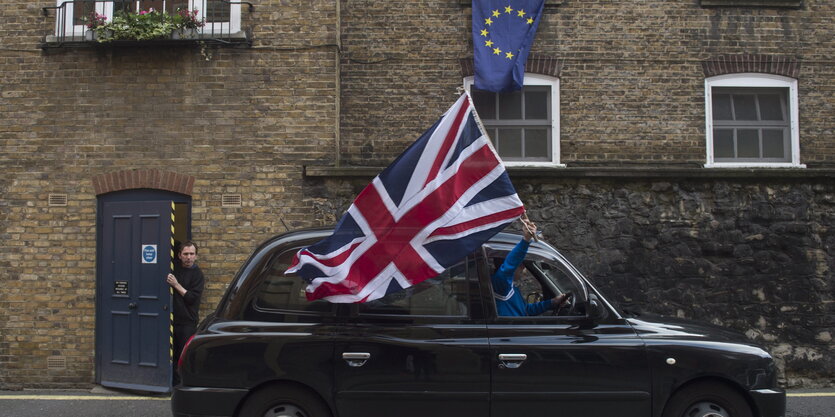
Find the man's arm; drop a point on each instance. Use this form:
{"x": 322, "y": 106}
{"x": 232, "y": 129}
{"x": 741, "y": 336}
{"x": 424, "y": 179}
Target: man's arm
{"x": 193, "y": 294}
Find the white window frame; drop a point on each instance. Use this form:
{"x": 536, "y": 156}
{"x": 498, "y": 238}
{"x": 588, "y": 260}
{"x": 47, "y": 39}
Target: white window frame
{"x": 106, "y": 8}
{"x": 754, "y": 80}
{"x": 554, "y": 83}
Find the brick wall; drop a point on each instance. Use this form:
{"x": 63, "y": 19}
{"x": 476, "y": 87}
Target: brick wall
{"x": 244, "y": 121}
{"x": 631, "y": 83}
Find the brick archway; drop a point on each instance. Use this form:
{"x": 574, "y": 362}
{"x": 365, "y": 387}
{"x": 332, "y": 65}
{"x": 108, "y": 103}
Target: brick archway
{"x": 143, "y": 178}
{"x": 786, "y": 66}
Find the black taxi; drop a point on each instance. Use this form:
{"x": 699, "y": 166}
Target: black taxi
{"x": 439, "y": 349}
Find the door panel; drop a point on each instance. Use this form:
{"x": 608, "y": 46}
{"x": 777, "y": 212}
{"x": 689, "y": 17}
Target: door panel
{"x": 412, "y": 370}
{"x": 134, "y": 309}
{"x": 421, "y": 352}
{"x": 596, "y": 371}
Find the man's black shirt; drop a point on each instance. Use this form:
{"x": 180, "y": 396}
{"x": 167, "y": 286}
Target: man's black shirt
{"x": 186, "y": 308}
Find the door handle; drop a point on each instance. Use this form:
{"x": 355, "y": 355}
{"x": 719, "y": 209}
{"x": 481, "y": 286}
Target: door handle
{"x": 356, "y": 359}
{"x": 132, "y": 306}
{"x": 511, "y": 360}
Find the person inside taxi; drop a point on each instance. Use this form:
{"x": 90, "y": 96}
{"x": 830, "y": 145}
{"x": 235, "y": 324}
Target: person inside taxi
{"x": 509, "y": 301}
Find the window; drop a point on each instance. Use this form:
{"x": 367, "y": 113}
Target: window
{"x": 277, "y": 291}
{"x": 523, "y": 125}
{"x": 543, "y": 279}
{"x": 444, "y": 295}
{"x": 751, "y": 121}
{"x": 220, "y": 16}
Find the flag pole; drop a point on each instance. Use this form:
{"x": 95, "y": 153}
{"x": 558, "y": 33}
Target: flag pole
{"x": 524, "y": 215}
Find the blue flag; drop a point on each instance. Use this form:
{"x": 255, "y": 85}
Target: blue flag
{"x": 503, "y": 32}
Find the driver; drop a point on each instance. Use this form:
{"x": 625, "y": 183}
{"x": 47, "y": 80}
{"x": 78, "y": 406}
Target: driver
{"x": 508, "y": 297}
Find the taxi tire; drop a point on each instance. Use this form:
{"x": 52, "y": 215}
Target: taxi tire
{"x": 707, "y": 398}
{"x": 269, "y": 400}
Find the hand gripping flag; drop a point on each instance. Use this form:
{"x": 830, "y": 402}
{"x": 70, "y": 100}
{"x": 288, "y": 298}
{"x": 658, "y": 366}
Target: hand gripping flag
{"x": 503, "y": 32}
{"x": 435, "y": 204}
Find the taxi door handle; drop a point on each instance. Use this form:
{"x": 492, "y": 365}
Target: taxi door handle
{"x": 356, "y": 359}
{"x": 511, "y": 360}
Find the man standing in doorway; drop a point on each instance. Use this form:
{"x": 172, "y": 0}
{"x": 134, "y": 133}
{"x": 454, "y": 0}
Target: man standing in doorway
{"x": 187, "y": 282}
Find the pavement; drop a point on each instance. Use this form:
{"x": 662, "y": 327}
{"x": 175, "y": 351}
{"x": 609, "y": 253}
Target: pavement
{"x": 103, "y": 402}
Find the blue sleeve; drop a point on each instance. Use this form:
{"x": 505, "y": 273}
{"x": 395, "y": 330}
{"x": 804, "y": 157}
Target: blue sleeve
{"x": 503, "y": 278}
{"x": 535, "y": 309}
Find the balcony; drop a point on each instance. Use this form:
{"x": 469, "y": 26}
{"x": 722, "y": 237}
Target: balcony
{"x": 218, "y": 22}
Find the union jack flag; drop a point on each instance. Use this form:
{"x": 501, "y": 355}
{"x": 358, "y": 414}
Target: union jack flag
{"x": 436, "y": 203}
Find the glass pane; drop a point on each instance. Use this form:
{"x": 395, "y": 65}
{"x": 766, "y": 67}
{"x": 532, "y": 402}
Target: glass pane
{"x": 773, "y": 143}
{"x": 217, "y": 11}
{"x": 124, "y": 6}
{"x": 82, "y": 12}
{"x": 286, "y": 292}
{"x": 485, "y": 104}
{"x": 722, "y": 107}
{"x": 173, "y": 5}
{"x": 536, "y": 143}
{"x": 748, "y": 143}
{"x": 536, "y": 105}
{"x": 510, "y": 143}
{"x": 723, "y": 143}
{"x": 510, "y": 105}
{"x": 771, "y": 107}
{"x": 444, "y": 295}
{"x": 744, "y": 107}
{"x": 151, "y": 4}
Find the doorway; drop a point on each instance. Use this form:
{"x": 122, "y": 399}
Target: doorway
{"x": 136, "y": 234}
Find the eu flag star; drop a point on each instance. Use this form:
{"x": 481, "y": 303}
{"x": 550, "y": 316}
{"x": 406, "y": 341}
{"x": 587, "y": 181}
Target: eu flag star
{"x": 497, "y": 51}
{"x": 508, "y": 55}
{"x": 488, "y": 21}
{"x": 484, "y": 32}
{"x": 496, "y": 13}
{"x": 521, "y": 13}
{"x": 508, "y": 9}
{"x": 530, "y": 20}
{"x": 488, "y": 43}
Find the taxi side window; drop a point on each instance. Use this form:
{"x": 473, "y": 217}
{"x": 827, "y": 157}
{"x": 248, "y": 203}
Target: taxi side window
{"x": 445, "y": 295}
{"x": 277, "y": 291}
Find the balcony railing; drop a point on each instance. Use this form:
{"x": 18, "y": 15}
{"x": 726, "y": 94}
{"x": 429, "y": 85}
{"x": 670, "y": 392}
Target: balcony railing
{"x": 221, "y": 18}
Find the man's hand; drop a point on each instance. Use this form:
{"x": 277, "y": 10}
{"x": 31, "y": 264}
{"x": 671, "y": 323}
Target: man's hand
{"x": 559, "y": 300}
{"x": 529, "y": 229}
{"x": 172, "y": 281}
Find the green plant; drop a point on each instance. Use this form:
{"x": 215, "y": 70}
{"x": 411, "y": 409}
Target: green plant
{"x": 187, "y": 19}
{"x": 142, "y": 26}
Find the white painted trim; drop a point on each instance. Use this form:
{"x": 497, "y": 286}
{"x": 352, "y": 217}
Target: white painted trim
{"x": 106, "y": 8}
{"x": 554, "y": 83}
{"x": 753, "y": 80}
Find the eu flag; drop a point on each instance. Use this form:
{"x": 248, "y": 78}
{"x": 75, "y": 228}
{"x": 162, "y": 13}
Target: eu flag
{"x": 503, "y": 32}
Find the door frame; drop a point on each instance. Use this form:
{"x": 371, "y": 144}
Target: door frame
{"x": 131, "y": 195}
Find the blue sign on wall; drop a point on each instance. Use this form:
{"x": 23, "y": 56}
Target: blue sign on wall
{"x": 149, "y": 254}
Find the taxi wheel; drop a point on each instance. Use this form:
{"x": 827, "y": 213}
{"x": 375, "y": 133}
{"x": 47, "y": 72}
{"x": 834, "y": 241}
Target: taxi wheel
{"x": 707, "y": 399}
{"x": 283, "y": 401}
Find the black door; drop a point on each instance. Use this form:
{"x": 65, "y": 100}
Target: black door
{"x": 547, "y": 367}
{"x": 562, "y": 362}
{"x": 417, "y": 353}
{"x": 133, "y": 336}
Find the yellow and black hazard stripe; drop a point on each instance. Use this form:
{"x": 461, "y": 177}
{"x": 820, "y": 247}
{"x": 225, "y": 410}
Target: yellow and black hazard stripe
{"x": 171, "y": 293}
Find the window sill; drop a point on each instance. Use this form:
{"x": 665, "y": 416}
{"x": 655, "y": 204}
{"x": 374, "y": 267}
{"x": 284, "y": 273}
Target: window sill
{"x": 79, "y": 41}
{"x": 752, "y": 3}
{"x": 727, "y": 165}
{"x": 551, "y": 172}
